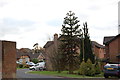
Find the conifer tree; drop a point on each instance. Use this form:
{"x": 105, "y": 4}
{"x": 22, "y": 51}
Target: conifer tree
{"x": 88, "y": 53}
{"x": 70, "y": 34}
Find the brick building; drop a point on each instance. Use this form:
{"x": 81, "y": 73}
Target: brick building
{"x": 51, "y": 47}
{"x": 24, "y": 55}
{"x": 98, "y": 50}
{"x": 112, "y": 48}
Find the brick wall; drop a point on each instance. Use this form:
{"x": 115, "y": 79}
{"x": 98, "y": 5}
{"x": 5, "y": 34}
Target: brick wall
{"x": 113, "y": 50}
{"x": 119, "y": 44}
{"x": 106, "y": 51}
{"x": 99, "y": 52}
{"x": 49, "y": 54}
{"x": 8, "y": 59}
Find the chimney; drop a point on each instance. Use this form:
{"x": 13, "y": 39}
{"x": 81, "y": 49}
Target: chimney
{"x": 56, "y": 40}
{"x": 119, "y": 17}
{"x": 55, "y": 37}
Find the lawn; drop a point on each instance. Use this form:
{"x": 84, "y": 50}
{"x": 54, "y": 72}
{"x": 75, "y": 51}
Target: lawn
{"x": 64, "y": 74}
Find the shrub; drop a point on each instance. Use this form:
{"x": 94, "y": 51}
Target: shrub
{"x": 20, "y": 65}
{"x": 90, "y": 68}
{"x": 87, "y": 68}
{"x": 35, "y": 60}
{"x": 82, "y": 69}
{"x": 97, "y": 68}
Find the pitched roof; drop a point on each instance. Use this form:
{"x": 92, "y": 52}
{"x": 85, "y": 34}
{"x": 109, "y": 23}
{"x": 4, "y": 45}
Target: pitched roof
{"x": 30, "y": 54}
{"x": 97, "y": 44}
{"x": 25, "y": 50}
{"x": 49, "y": 43}
{"x": 109, "y": 39}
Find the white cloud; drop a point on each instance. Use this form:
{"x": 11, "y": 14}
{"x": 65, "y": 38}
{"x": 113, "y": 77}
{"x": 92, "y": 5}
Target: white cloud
{"x": 48, "y": 16}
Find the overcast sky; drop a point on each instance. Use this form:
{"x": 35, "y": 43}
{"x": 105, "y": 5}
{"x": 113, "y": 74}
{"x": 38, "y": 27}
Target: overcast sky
{"x": 36, "y": 21}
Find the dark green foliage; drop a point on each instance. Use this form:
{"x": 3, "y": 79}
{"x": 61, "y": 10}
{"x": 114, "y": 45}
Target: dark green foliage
{"x": 86, "y": 43}
{"x": 35, "y": 60}
{"x": 81, "y": 49}
{"x": 69, "y": 41}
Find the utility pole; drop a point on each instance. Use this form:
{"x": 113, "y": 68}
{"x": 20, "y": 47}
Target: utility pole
{"x": 83, "y": 46}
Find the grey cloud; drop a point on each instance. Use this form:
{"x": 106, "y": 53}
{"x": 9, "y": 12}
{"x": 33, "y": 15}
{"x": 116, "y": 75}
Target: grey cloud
{"x": 4, "y": 30}
{"x": 12, "y": 26}
{"x": 21, "y": 23}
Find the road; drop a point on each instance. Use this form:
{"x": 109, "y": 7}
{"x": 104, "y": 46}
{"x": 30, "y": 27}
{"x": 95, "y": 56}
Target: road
{"x": 23, "y": 75}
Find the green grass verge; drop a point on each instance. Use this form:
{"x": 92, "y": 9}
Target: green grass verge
{"x": 64, "y": 74}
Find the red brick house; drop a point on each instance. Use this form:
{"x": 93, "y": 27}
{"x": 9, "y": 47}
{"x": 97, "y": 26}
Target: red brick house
{"x": 112, "y": 48}
{"x": 51, "y": 46}
{"x": 98, "y": 50}
{"x": 26, "y": 55}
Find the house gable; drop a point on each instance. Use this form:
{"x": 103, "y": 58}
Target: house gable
{"x": 113, "y": 48}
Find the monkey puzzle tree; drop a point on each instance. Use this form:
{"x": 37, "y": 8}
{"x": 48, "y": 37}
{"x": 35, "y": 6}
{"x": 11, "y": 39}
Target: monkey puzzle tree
{"x": 70, "y": 41}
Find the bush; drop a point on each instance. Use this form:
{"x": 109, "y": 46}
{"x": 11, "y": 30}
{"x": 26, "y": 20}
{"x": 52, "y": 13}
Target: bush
{"x": 83, "y": 68}
{"x": 97, "y": 68}
{"x": 87, "y": 68}
{"x": 35, "y": 60}
{"x": 90, "y": 68}
{"x": 20, "y": 65}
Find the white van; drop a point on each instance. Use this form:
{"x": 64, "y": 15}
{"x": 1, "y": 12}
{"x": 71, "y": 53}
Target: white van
{"x": 38, "y": 66}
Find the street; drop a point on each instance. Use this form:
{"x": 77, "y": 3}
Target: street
{"x": 23, "y": 75}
